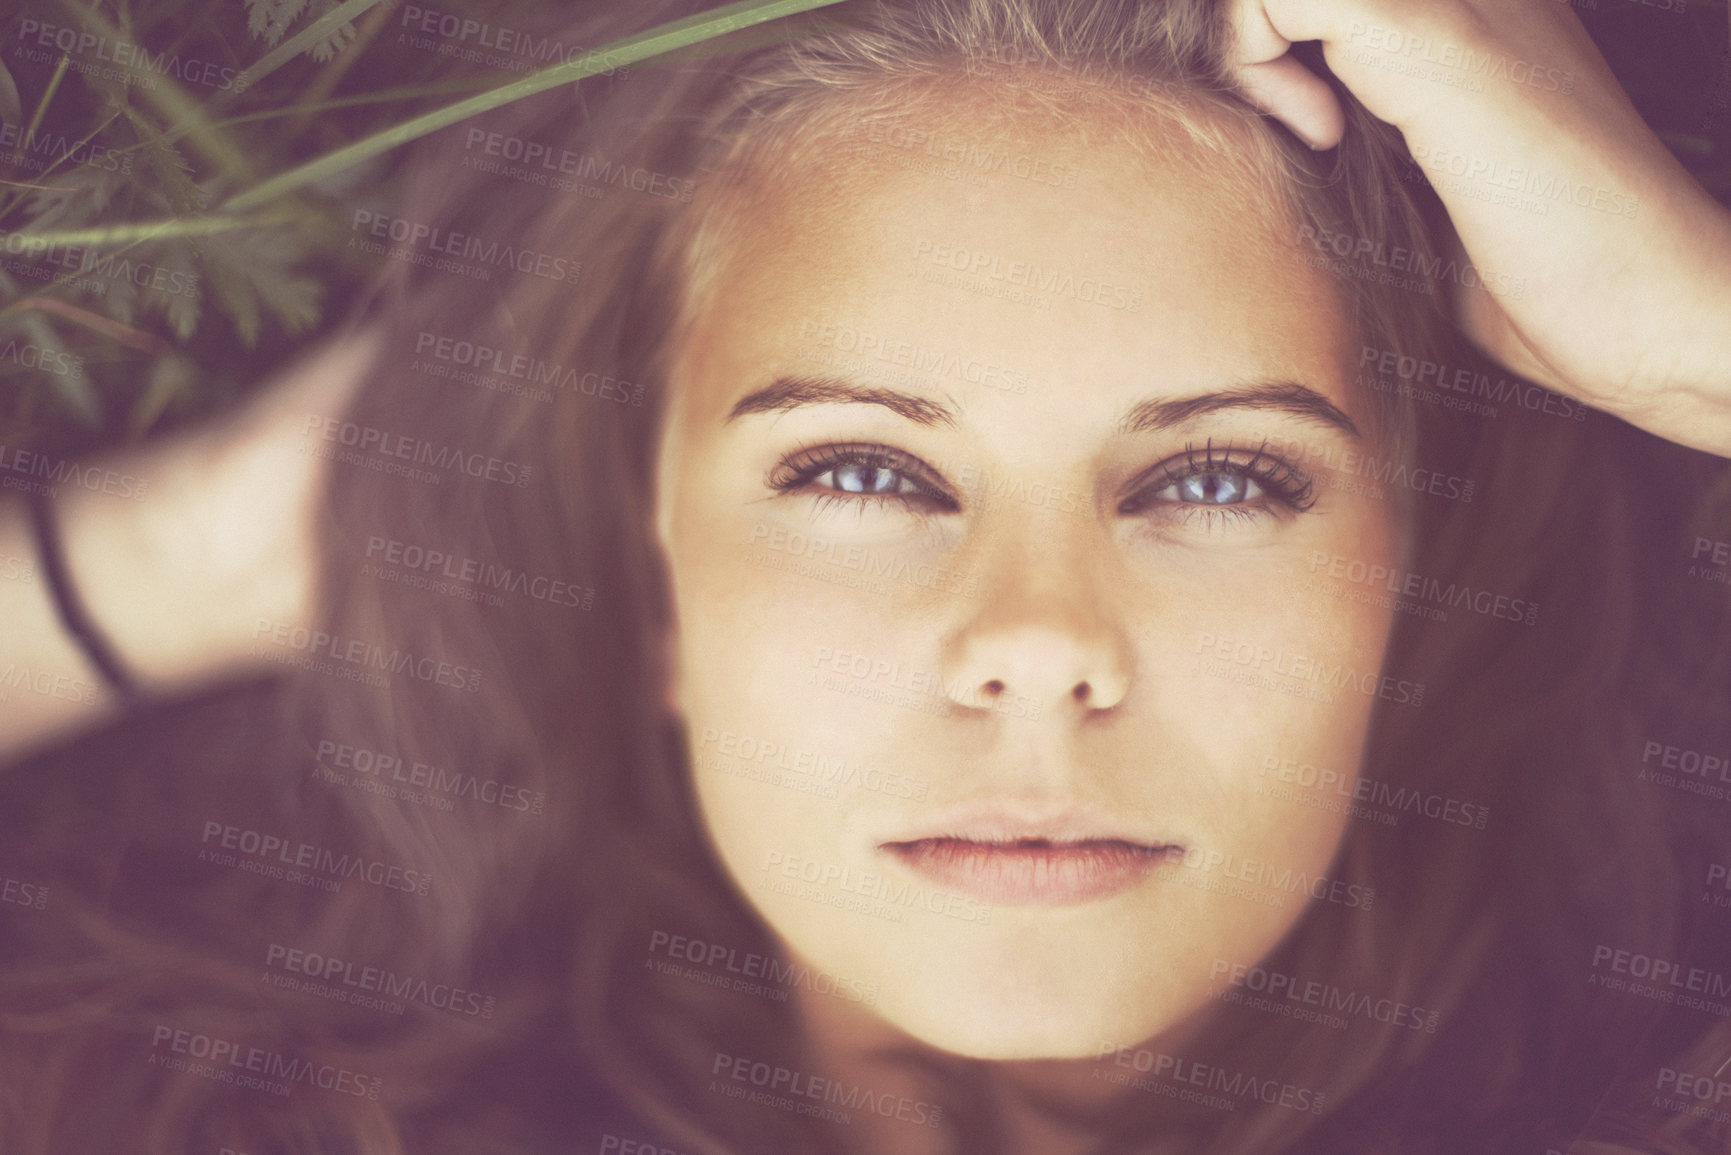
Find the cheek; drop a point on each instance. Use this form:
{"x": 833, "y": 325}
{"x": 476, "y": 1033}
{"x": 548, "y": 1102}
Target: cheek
{"x": 1267, "y": 672}
{"x": 774, "y": 746}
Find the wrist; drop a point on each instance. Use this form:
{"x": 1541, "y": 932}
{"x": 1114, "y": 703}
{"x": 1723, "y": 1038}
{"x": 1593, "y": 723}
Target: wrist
{"x": 178, "y": 579}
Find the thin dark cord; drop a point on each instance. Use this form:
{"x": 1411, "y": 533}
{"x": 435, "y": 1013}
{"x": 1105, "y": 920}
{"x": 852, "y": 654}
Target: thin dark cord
{"x": 71, "y": 609}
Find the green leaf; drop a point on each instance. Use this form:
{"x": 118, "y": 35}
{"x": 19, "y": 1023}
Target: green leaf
{"x": 271, "y": 18}
{"x": 182, "y": 310}
{"x": 174, "y": 175}
{"x": 251, "y": 275}
{"x": 11, "y": 108}
{"x": 172, "y": 379}
{"x": 173, "y": 103}
{"x": 321, "y": 34}
{"x": 78, "y": 195}
{"x": 126, "y": 234}
{"x": 664, "y": 38}
{"x": 73, "y": 387}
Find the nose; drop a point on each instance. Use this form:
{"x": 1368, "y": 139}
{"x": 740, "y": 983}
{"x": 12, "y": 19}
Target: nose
{"x": 1042, "y": 630}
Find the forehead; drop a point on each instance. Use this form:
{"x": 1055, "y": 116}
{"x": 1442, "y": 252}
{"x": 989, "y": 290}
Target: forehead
{"x": 1084, "y": 242}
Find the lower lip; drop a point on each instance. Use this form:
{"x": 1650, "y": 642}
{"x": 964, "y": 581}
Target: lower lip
{"x": 1032, "y": 873}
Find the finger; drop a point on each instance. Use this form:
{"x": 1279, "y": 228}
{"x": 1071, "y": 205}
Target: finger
{"x": 1329, "y": 21}
{"x": 1269, "y": 78}
{"x": 1297, "y": 97}
{"x": 1254, "y": 37}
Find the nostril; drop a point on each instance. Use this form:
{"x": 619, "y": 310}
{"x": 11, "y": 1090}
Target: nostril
{"x": 993, "y": 687}
{"x": 1081, "y": 692}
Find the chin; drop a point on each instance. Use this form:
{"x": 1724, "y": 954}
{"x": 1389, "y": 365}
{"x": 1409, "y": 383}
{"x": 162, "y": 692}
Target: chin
{"x": 1006, "y": 1025}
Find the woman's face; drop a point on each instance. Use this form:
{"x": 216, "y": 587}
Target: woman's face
{"x": 991, "y": 618}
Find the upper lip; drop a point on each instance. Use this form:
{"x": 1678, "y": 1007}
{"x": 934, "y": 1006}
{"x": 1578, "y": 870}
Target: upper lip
{"x": 1011, "y": 822}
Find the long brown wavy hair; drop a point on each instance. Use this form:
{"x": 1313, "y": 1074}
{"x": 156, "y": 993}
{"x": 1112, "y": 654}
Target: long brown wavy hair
{"x": 527, "y": 804}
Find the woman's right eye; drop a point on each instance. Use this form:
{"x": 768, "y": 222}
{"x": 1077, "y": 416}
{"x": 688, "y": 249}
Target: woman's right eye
{"x": 856, "y": 473}
{"x": 858, "y": 477}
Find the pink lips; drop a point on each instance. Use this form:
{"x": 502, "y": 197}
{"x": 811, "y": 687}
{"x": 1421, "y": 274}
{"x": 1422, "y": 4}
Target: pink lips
{"x": 1032, "y": 871}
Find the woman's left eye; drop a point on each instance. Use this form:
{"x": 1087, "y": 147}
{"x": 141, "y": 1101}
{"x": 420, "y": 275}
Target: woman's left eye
{"x": 857, "y": 477}
{"x": 1216, "y": 487}
{"x": 1221, "y": 479}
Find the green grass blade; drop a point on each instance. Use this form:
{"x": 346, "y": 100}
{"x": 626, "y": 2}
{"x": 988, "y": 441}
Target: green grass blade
{"x": 665, "y": 38}
{"x": 142, "y": 231}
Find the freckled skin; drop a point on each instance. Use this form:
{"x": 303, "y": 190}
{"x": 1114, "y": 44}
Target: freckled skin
{"x": 1064, "y": 588}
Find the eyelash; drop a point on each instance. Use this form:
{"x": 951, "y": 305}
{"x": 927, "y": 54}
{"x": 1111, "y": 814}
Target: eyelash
{"x": 1282, "y": 482}
{"x": 806, "y": 464}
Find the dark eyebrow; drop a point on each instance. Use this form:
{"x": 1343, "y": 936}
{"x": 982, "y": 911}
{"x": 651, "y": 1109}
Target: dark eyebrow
{"x": 1301, "y": 401}
{"x": 786, "y": 393}
{"x": 1289, "y": 397}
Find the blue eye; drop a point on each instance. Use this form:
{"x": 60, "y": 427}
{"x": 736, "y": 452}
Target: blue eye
{"x": 863, "y": 473}
{"x": 1222, "y": 478}
{"x": 1216, "y": 487}
{"x": 858, "y": 477}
